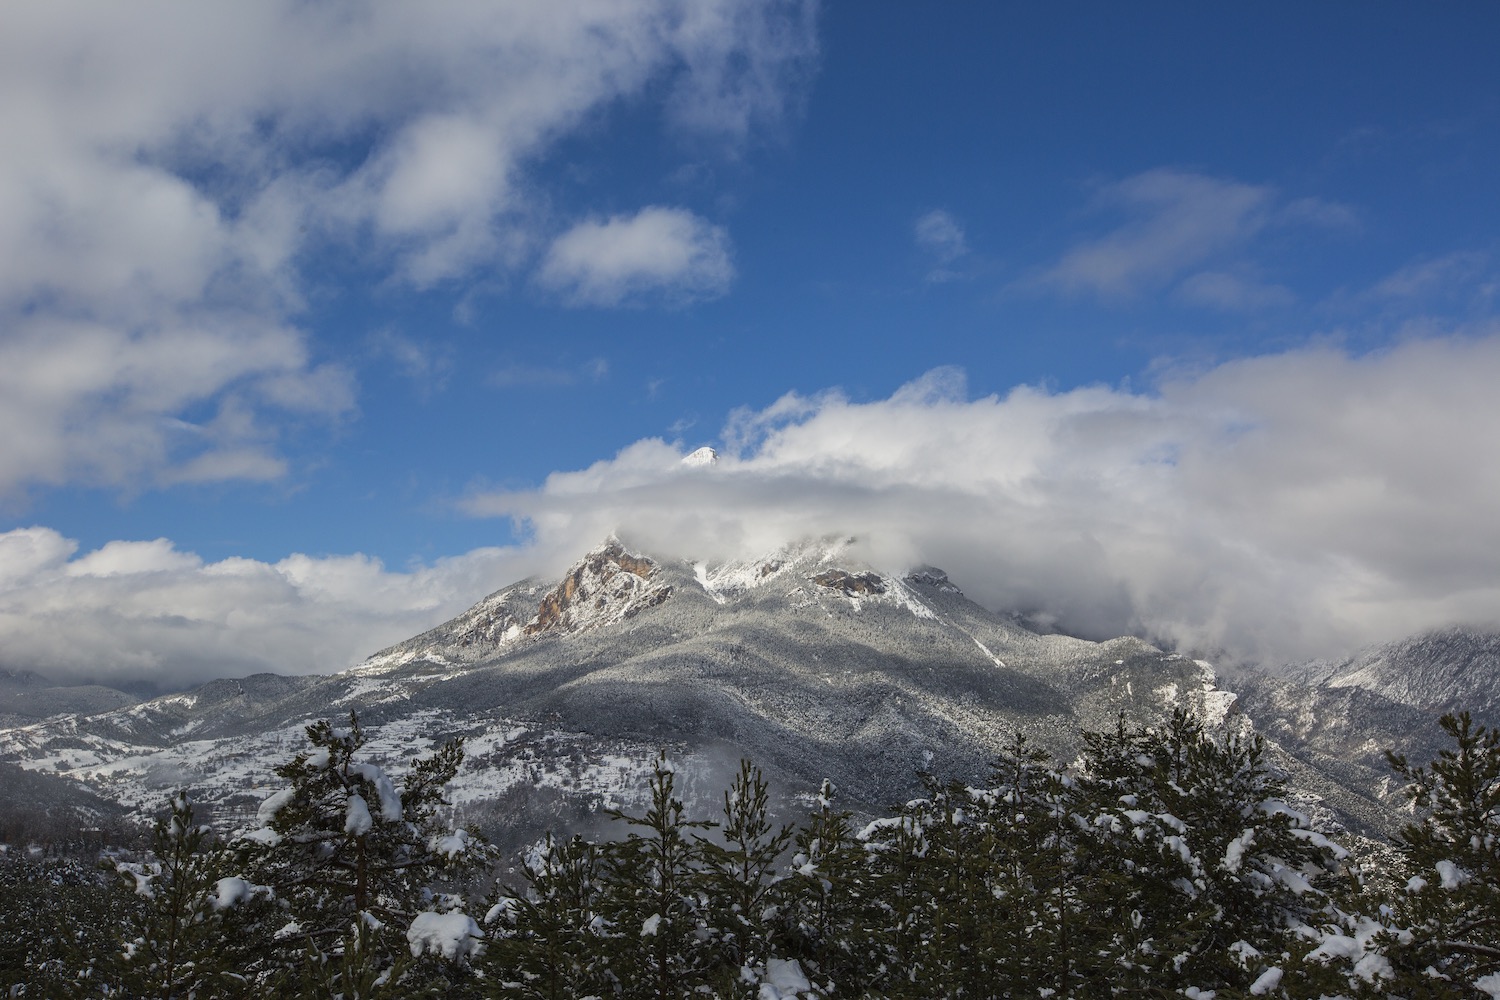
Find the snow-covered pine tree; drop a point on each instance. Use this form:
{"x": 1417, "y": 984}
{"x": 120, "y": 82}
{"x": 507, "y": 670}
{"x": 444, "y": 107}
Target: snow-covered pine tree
{"x": 1221, "y": 874}
{"x": 893, "y": 936}
{"x": 353, "y": 860}
{"x": 197, "y": 934}
{"x": 1042, "y": 893}
{"x": 1451, "y": 906}
{"x": 741, "y": 880}
{"x": 550, "y": 942}
{"x": 825, "y": 894}
{"x": 654, "y": 899}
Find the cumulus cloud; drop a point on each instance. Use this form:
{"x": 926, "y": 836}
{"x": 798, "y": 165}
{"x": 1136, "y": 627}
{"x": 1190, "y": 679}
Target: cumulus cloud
{"x": 1275, "y": 507}
{"x": 668, "y": 253}
{"x": 169, "y": 169}
{"x": 1180, "y": 229}
{"x": 144, "y": 612}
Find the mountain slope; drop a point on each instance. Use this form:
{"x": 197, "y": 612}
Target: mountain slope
{"x": 1450, "y": 669}
{"x": 810, "y": 660}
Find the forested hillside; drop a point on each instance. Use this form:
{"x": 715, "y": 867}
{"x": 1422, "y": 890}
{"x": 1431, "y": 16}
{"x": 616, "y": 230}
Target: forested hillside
{"x": 1162, "y": 862}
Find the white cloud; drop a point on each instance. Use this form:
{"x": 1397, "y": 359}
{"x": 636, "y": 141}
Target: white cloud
{"x": 84, "y": 401}
{"x": 1186, "y": 230}
{"x": 132, "y": 612}
{"x": 668, "y": 253}
{"x": 1446, "y": 275}
{"x": 1283, "y": 506}
{"x": 169, "y": 168}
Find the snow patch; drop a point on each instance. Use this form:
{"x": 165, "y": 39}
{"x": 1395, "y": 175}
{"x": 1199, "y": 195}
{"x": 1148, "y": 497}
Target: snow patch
{"x": 232, "y": 891}
{"x": 390, "y": 799}
{"x": 451, "y": 846}
{"x": 1266, "y": 982}
{"x": 268, "y": 810}
{"x": 357, "y": 820}
{"x": 1451, "y": 875}
{"x": 453, "y": 935}
{"x": 784, "y": 980}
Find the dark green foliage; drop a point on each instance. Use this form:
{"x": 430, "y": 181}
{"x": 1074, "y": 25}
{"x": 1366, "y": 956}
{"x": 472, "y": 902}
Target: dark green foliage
{"x": 189, "y": 940}
{"x": 825, "y": 892}
{"x": 1166, "y": 861}
{"x": 549, "y": 943}
{"x": 59, "y": 923}
{"x": 741, "y": 881}
{"x": 654, "y": 905}
{"x": 1451, "y": 907}
{"x": 352, "y": 861}
{"x": 1217, "y": 865}
{"x": 1162, "y": 863}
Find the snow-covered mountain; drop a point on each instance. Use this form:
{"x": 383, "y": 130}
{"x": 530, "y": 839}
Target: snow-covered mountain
{"x": 809, "y": 659}
{"x": 1450, "y": 669}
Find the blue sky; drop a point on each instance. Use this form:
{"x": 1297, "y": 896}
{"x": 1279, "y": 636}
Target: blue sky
{"x": 361, "y": 289}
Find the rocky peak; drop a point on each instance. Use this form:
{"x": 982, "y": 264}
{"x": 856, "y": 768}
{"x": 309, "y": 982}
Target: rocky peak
{"x": 931, "y": 576}
{"x": 852, "y": 584}
{"x": 608, "y": 585}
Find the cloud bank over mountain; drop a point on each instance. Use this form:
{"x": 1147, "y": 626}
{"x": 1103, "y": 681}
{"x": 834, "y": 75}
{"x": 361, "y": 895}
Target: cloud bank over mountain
{"x": 144, "y": 613}
{"x": 1272, "y": 507}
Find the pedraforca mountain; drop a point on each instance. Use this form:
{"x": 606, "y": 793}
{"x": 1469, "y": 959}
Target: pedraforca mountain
{"x": 809, "y": 659}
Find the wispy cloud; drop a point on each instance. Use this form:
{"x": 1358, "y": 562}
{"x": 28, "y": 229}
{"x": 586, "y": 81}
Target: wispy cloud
{"x": 541, "y": 376}
{"x": 666, "y": 254}
{"x": 940, "y": 237}
{"x": 1442, "y": 276}
{"x": 426, "y": 364}
{"x": 1187, "y": 233}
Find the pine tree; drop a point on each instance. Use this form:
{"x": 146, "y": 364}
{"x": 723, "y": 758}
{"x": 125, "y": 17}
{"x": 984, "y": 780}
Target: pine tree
{"x": 1219, "y": 869}
{"x": 742, "y": 883}
{"x": 196, "y": 934}
{"x": 353, "y": 858}
{"x": 1451, "y": 907}
{"x": 654, "y": 899}
{"x": 826, "y": 891}
{"x": 550, "y": 942}
{"x": 894, "y": 937}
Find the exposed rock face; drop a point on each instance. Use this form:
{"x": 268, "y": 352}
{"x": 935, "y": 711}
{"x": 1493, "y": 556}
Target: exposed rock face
{"x": 852, "y": 584}
{"x": 609, "y": 585}
{"x": 929, "y": 576}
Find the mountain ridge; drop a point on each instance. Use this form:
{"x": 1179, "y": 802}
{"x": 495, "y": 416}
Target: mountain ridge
{"x": 808, "y": 658}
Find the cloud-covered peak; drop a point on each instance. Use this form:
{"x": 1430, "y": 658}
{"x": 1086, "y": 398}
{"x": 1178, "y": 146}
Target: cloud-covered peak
{"x": 1274, "y": 507}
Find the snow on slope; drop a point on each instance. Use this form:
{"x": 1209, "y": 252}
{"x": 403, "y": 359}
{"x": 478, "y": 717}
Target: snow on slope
{"x": 809, "y": 660}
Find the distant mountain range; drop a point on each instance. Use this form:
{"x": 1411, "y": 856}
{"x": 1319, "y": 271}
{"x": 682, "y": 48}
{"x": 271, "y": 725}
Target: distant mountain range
{"x": 809, "y": 660}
